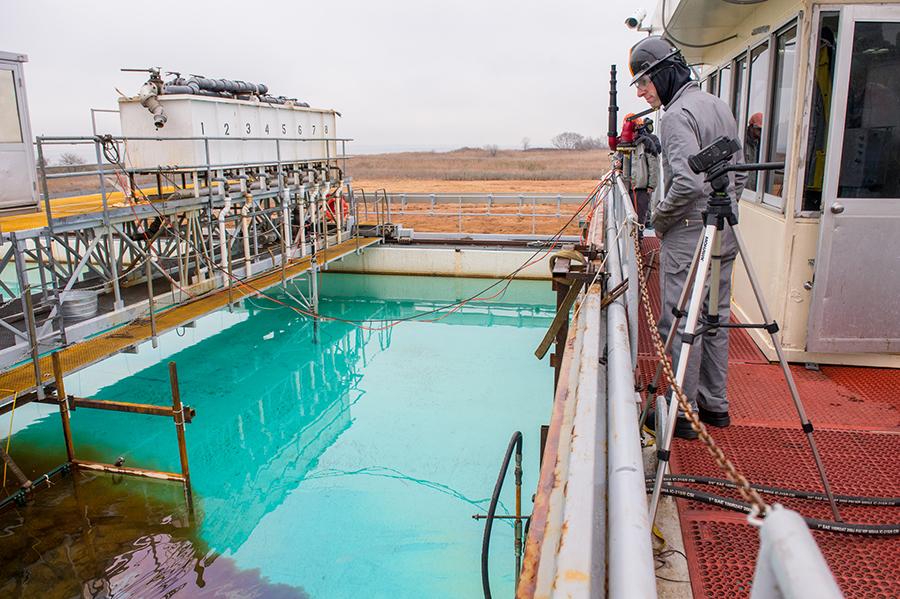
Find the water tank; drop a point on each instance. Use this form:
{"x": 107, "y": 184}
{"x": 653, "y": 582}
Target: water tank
{"x": 201, "y": 116}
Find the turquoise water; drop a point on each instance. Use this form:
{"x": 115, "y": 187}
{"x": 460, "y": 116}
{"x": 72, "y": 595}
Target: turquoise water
{"x": 343, "y": 468}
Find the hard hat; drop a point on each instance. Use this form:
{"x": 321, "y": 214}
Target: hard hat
{"x": 651, "y": 53}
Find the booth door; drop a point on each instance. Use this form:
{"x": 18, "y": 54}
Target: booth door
{"x": 16, "y": 152}
{"x": 856, "y": 292}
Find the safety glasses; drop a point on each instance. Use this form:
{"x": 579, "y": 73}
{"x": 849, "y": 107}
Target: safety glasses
{"x": 643, "y": 83}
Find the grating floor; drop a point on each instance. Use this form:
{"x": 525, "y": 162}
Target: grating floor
{"x": 857, "y": 415}
{"x": 61, "y": 207}
{"x": 79, "y": 355}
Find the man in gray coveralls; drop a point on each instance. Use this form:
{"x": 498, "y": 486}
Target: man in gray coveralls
{"x": 692, "y": 120}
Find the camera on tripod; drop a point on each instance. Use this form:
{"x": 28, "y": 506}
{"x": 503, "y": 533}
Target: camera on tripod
{"x": 719, "y": 152}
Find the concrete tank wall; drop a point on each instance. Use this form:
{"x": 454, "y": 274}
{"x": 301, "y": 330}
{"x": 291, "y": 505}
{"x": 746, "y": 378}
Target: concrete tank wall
{"x": 445, "y": 262}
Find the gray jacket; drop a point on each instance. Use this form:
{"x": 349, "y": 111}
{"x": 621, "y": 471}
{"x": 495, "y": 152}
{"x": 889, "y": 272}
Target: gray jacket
{"x": 644, "y": 169}
{"x": 692, "y": 120}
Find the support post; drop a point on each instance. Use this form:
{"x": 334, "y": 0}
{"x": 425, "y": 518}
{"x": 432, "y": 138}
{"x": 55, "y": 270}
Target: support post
{"x": 150, "y": 302}
{"x": 110, "y": 246}
{"x": 230, "y": 282}
{"x": 62, "y": 399}
{"x": 33, "y": 340}
{"x": 178, "y": 412}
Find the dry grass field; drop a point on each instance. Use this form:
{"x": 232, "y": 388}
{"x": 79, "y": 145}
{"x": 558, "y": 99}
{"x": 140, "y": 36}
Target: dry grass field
{"x": 469, "y": 170}
{"x": 472, "y": 164}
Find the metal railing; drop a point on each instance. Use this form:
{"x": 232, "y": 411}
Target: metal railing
{"x": 459, "y": 206}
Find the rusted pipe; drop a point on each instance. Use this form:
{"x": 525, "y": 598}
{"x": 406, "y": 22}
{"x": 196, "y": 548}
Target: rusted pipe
{"x": 178, "y": 412}
{"x": 133, "y": 408}
{"x": 17, "y": 472}
{"x": 142, "y": 472}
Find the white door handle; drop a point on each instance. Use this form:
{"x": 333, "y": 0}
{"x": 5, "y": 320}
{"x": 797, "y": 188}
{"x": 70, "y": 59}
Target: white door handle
{"x": 837, "y": 208}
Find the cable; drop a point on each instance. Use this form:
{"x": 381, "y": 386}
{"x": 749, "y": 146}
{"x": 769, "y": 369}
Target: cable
{"x": 885, "y": 530}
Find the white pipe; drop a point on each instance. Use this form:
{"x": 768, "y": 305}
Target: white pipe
{"x": 223, "y": 241}
{"x": 631, "y": 568}
{"x": 148, "y": 97}
{"x": 339, "y": 213}
{"x": 245, "y": 233}
{"x": 301, "y": 206}
{"x": 790, "y": 564}
{"x": 286, "y": 225}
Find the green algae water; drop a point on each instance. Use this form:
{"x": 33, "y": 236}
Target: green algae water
{"x": 345, "y": 465}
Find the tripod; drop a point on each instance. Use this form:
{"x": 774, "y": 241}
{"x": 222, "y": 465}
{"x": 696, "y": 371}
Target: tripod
{"x": 707, "y": 257}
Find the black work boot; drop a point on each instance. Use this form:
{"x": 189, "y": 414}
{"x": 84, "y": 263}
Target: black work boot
{"x": 719, "y": 419}
{"x": 683, "y": 429}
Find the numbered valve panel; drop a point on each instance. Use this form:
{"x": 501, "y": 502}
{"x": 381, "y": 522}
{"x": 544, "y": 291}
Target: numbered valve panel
{"x": 234, "y": 129}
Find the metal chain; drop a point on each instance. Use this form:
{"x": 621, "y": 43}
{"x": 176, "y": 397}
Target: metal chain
{"x": 731, "y": 472}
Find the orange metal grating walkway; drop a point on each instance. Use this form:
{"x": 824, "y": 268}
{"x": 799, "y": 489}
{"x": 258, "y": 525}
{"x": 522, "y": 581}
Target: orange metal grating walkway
{"x": 62, "y": 207}
{"x": 75, "y": 357}
{"x": 856, "y": 412}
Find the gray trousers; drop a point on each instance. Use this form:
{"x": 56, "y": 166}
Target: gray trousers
{"x": 707, "y": 370}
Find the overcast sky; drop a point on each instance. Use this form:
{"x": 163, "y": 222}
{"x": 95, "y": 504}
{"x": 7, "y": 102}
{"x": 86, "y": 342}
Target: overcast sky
{"x": 405, "y": 74}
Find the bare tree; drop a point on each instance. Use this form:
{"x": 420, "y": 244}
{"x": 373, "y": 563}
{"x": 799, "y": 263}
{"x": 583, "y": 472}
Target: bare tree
{"x": 491, "y": 149}
{"x": 526, "y": 143}
{"x": 70, "y": 159}
{"x": 568, "y": 140}
{"x": 593, "y": 143}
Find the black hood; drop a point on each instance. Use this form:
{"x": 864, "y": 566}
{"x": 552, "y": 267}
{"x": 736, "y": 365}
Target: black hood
{"x": 668, "y": 80}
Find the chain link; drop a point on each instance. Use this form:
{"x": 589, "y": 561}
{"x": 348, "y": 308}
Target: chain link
{"x": 731, "y": 472}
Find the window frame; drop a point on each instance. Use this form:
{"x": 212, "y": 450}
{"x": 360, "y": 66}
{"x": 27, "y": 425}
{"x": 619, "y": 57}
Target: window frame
{"x": 818, "y": 13}
{"x": 738, "y": 104}
{"x": 765, "y": 198}
{"x": 728, "y": 99}
{"x": 755, "y": 196}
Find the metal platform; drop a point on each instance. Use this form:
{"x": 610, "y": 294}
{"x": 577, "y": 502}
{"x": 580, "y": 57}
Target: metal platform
{"x": 857, "y": 415}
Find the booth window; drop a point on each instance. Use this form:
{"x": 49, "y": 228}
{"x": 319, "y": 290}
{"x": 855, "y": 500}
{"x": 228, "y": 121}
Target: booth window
{"x": 712, "y": 83}
{"x": 725, "y": 83}
{"x": 10, "y": 128}
{"x": 756, "y": 105}
{"x": 737, "y": 92}
{"x": 870, "y": 160}
{"x": 820, "y": 112}
{"x": 782, "y": 106}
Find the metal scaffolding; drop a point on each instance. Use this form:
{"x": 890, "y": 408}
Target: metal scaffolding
{"x": 137, "y": 250}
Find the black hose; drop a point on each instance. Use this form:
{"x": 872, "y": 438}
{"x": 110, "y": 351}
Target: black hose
{"x": 784, "y": 492}
{"x": 20, "y": 496}
{"x": 514, "y": 443}
{"x": 886, "y": 530}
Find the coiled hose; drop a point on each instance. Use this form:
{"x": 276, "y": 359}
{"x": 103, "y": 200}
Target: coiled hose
{"x": 514, "y": 443}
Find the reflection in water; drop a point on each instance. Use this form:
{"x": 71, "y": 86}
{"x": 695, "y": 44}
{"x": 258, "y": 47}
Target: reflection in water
{"x": 279, "y": 421}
